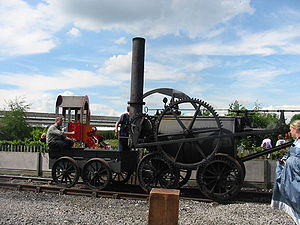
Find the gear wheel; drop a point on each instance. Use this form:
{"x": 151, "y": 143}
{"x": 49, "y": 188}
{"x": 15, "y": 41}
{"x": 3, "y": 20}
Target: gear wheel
{"x": 188, "y": 132}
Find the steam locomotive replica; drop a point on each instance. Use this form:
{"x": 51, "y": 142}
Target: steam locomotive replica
{"x": 185, "y": 135}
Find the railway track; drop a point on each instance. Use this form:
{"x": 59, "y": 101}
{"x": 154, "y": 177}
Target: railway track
{"x": 39, "y": 184}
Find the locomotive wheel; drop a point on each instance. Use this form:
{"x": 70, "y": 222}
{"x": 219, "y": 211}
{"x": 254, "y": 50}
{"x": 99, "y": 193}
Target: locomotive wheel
{"x": 65, "y": 172}
{"x": 220, "y": 178}
{"x": 184, "y": 176}
{"x": 154, "y": 171}
{"x": 97, "y": 173}
{"x": 121, "y": 178}
{"x": 188, "y": 132}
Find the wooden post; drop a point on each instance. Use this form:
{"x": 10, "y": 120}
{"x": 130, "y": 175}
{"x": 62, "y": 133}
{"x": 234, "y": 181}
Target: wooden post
{"x": 164, "y": 206}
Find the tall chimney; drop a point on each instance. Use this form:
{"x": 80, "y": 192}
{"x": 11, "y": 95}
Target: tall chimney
{"x": 137, "y": 76}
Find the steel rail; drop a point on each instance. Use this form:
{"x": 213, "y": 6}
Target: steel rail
{"x": 186, "y": 193}
{"x": 5, "y": 182}
{"x": 73, "y": 191}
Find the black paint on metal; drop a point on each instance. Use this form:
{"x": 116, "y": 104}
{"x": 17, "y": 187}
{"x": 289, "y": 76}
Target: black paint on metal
{"x": 267, "y": 151}
{"x": 137, "y": 76}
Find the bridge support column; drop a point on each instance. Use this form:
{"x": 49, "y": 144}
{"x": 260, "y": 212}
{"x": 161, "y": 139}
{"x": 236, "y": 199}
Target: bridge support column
{"x": 164, "y": 206}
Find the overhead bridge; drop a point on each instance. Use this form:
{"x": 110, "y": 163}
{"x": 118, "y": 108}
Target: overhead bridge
{"x": 46, "y": 119}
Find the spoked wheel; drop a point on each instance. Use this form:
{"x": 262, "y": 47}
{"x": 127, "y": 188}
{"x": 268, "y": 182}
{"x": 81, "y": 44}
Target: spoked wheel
{"x": 121, "y": 178}
{"x": 154, "y": 171}
{"x": 184, "y": 176}
{"x": 188, "y": 132}
{"x": 220, "y": 178}
{"x": 65, "y": 172}
{"x": 96, "y": 173}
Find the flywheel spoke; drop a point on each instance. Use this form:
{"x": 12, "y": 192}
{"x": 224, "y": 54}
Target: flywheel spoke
{"x": 185, "y": 136}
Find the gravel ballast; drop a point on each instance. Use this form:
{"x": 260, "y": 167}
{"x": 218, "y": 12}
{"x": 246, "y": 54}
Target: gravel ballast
{"x": 20, "y": 207}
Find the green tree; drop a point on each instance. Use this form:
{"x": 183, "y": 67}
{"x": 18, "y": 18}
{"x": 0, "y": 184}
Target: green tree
{"x": 13, "y": 125}
{"x": 255, "y": 119}
{"x": 295, "y": 117}
{"x": 236, "y": 106}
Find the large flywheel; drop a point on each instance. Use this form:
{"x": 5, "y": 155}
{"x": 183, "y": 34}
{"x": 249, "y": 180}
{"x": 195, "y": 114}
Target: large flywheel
{"x": 188, "y": 132}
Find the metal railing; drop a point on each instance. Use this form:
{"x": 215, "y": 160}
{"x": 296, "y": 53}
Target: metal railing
{"x": 22, "y": 148}
{"x": 46, "y": 119}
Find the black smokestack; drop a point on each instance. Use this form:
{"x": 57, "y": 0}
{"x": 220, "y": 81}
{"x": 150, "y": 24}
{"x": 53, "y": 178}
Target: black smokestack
{"x": 137, "y": 76}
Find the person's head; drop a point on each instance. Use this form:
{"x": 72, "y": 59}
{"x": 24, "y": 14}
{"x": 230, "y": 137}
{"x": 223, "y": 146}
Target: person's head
{"x": 43, "y": 135}
{"x": 295, "y": 129}
{"x": 58, "y": 121}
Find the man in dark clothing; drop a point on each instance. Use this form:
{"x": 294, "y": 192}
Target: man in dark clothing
{"x": 56, "y": 138}
{"x": 124, "y": 131}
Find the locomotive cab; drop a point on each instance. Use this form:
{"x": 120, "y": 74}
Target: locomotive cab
{"x": 97, "y": 167}
{"x": 76, "y": 114}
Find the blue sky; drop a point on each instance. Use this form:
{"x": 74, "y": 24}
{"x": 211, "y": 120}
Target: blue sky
{"x": 218, "y": 51}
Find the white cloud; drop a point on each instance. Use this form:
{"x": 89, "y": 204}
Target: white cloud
{"x": 256, "y": 78}
{"x": 101, "y": 109}
{"x": 153, "y": 18}
{"x": 121, "y": 40}
{"x": 66, "y": 93}
{"x": 39, "y": 101}
{"x": 74, "y": 32}
{"x": 66, "y": 79}
{"x": 156, "y": 71}
{"x": 119, "y": 65}
{"x": 27, "y": 30}
{"x": 262, "y": 43}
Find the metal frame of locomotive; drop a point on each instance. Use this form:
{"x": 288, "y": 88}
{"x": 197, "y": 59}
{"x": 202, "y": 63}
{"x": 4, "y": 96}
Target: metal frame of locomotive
{"x": 97, "y": 167}
{"x": 185, "y": 135}
{"x": 188, "y": 134}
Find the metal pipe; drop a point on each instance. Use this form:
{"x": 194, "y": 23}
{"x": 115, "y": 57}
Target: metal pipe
{"x": 137, "y": 76}
{"x": 265, "y": 152}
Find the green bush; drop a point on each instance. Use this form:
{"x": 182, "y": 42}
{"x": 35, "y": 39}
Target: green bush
{"x": 113, "y": 143}
{"x": 13, "y": 125}
{"x": 107, "y": 134}
{"x": 36, "y": 133}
